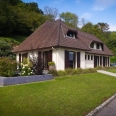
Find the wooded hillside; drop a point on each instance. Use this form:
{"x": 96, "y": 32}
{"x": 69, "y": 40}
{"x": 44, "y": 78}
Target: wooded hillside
{"x": 19, "y": 19}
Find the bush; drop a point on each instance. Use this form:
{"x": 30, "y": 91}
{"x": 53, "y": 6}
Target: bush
{"x": 7, "y": 67}
{"x": 89, "y": 70}
{"x": 26, "y": 70}
{"x": 61, "y": 73}
{"x": 53, "y": 72}
{"x": 74, "y": 71}
{"x": 51, "y": 63}
{"x": 69, "y": 71}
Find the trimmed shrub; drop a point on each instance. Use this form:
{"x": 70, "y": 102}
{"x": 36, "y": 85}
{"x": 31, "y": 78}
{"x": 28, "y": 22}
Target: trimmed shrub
{"x": 74, "y": 71}
{"x": 53, "y": 72}
{"x": 69, "y": 71}
{"x": 61, "y": 73}
{"x": 8, "y": 67}
{"x": 100, "y": 68}
{"x": 89, "y": 70}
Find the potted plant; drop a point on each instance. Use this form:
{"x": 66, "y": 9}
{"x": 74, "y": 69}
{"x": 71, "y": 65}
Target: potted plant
{"x": 51, "y": 65}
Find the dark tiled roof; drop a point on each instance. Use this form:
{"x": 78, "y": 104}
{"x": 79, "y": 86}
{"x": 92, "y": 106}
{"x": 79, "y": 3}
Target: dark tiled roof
{"x": 53, "y": 34}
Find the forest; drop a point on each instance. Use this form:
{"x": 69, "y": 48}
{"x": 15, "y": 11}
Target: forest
{"x": 19, "y": 19}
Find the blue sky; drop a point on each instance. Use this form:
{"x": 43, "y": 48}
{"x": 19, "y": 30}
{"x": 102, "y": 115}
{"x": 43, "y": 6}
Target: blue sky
{"x": 91, "y": 10}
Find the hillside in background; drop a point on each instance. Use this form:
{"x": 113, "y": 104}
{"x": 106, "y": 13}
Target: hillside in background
{"x": 13, "y": 40}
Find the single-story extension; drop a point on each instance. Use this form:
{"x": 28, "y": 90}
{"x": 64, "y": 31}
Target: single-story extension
{"x": 67, "y": 47}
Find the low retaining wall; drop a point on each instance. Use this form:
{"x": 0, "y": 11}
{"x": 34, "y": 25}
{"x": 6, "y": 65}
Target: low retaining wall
{"x": 24, "y": 79}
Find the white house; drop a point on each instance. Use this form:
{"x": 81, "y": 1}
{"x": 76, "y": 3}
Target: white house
{"x": 68, "y": 48}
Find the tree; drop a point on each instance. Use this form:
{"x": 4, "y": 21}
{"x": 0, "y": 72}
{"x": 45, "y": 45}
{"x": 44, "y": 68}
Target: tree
{"x": 70, "y": 19}
{"x": 103, "y": 26}
{"x": 51, "y": 13}
{"x": 12, "y": 2}
{"x": 17, "y": 17}
{"x": 33, "y": 6}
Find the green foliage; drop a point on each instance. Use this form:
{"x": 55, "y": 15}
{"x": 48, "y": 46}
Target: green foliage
{"x": 96, "y": 30}
{"x": 5, "y": 49}
{"x": 70, "y": 71}
{"x": 26, "y": 70}
{"x": 101, "y": 31}
{"x": 7, "y": 67}
{"x": 61, "y": 73}
{"x": 17, "y": 17}
{"x": 113, "y": 59}
{"x": 53, "y": 72}
{"x": 103, "y": 26}
{"x": 70, "y": 19}
{"x": 111, "y": 43}
{"x": 51, "y": 63}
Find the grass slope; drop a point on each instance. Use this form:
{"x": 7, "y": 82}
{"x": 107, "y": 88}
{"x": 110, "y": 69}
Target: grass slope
{"x": 64, "y": 96}
{"x": 14, "y": 40}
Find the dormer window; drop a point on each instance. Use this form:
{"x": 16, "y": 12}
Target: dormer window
{"x": 92, "y": 45}
{"x": 98, "y": 45}
{"x": 71, "y": 34}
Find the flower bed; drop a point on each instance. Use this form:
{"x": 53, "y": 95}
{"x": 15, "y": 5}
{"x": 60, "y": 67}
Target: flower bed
{"x": 24, "y": 79}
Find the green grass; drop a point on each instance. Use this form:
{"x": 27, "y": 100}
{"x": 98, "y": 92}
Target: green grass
{"x": 14, "y": 40}
{"x": 111, "y": 70}
{"x": 65, "y": 96}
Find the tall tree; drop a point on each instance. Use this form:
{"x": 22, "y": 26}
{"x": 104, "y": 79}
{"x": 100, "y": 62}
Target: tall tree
{"x": 103, "y": 26}
{"x": 33, "y": 6}
{"x": 12, "y": 2}
{"x": 51, "y": 13}
{"x": 17, "y": 17}
{"x": 70, "y": 19}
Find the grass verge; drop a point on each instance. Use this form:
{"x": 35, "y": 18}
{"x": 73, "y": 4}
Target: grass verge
{"x": 65, "y": 96}
{"x": 111, "y": 70}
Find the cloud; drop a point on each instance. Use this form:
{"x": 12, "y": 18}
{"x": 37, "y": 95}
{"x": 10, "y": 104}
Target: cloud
{"x": 102, "y": 4}
{"x": 112, "y": 27}
{"x": 86, "y": 15}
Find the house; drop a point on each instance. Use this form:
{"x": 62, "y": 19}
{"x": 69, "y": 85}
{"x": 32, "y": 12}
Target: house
{"x": 67, "y": 47}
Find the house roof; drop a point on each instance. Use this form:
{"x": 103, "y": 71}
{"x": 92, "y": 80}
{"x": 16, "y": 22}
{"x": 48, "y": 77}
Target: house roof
{"x": 53, "y": 34}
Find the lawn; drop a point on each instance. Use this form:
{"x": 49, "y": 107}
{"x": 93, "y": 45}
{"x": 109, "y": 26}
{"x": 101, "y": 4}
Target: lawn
{"x": 111, "y": 70}
{"x": 64, "y": 96}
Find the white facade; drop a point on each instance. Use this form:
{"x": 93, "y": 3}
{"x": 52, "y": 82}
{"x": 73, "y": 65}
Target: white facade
{"x": 82, "y": 59}
{"x": 58, "y": 56}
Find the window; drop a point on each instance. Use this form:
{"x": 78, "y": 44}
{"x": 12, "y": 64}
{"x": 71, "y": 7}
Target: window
{"x": 98, "y": 46}
{"x": 92, "y": 45}
{"x": 88, "y": 57}
{"x": 71, "y": 34}
{"x": 69, "y": 59}
{"x": 91, "y": 57}
{"x": 85, "y": 57}
{"x": 24, "y": 57}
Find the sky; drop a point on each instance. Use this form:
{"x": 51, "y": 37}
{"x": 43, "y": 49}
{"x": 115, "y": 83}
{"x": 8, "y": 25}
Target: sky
{"x": 93, "y": 11}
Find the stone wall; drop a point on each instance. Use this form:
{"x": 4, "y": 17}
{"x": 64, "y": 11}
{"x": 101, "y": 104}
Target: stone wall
{"x": 24, "y": 79}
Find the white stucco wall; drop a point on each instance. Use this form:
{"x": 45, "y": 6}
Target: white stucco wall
{"x": 89, "y": 64}
{"x": 17, "y": 57}
{"x": 58, "y": 58}
{"x": 82, "y": 59}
